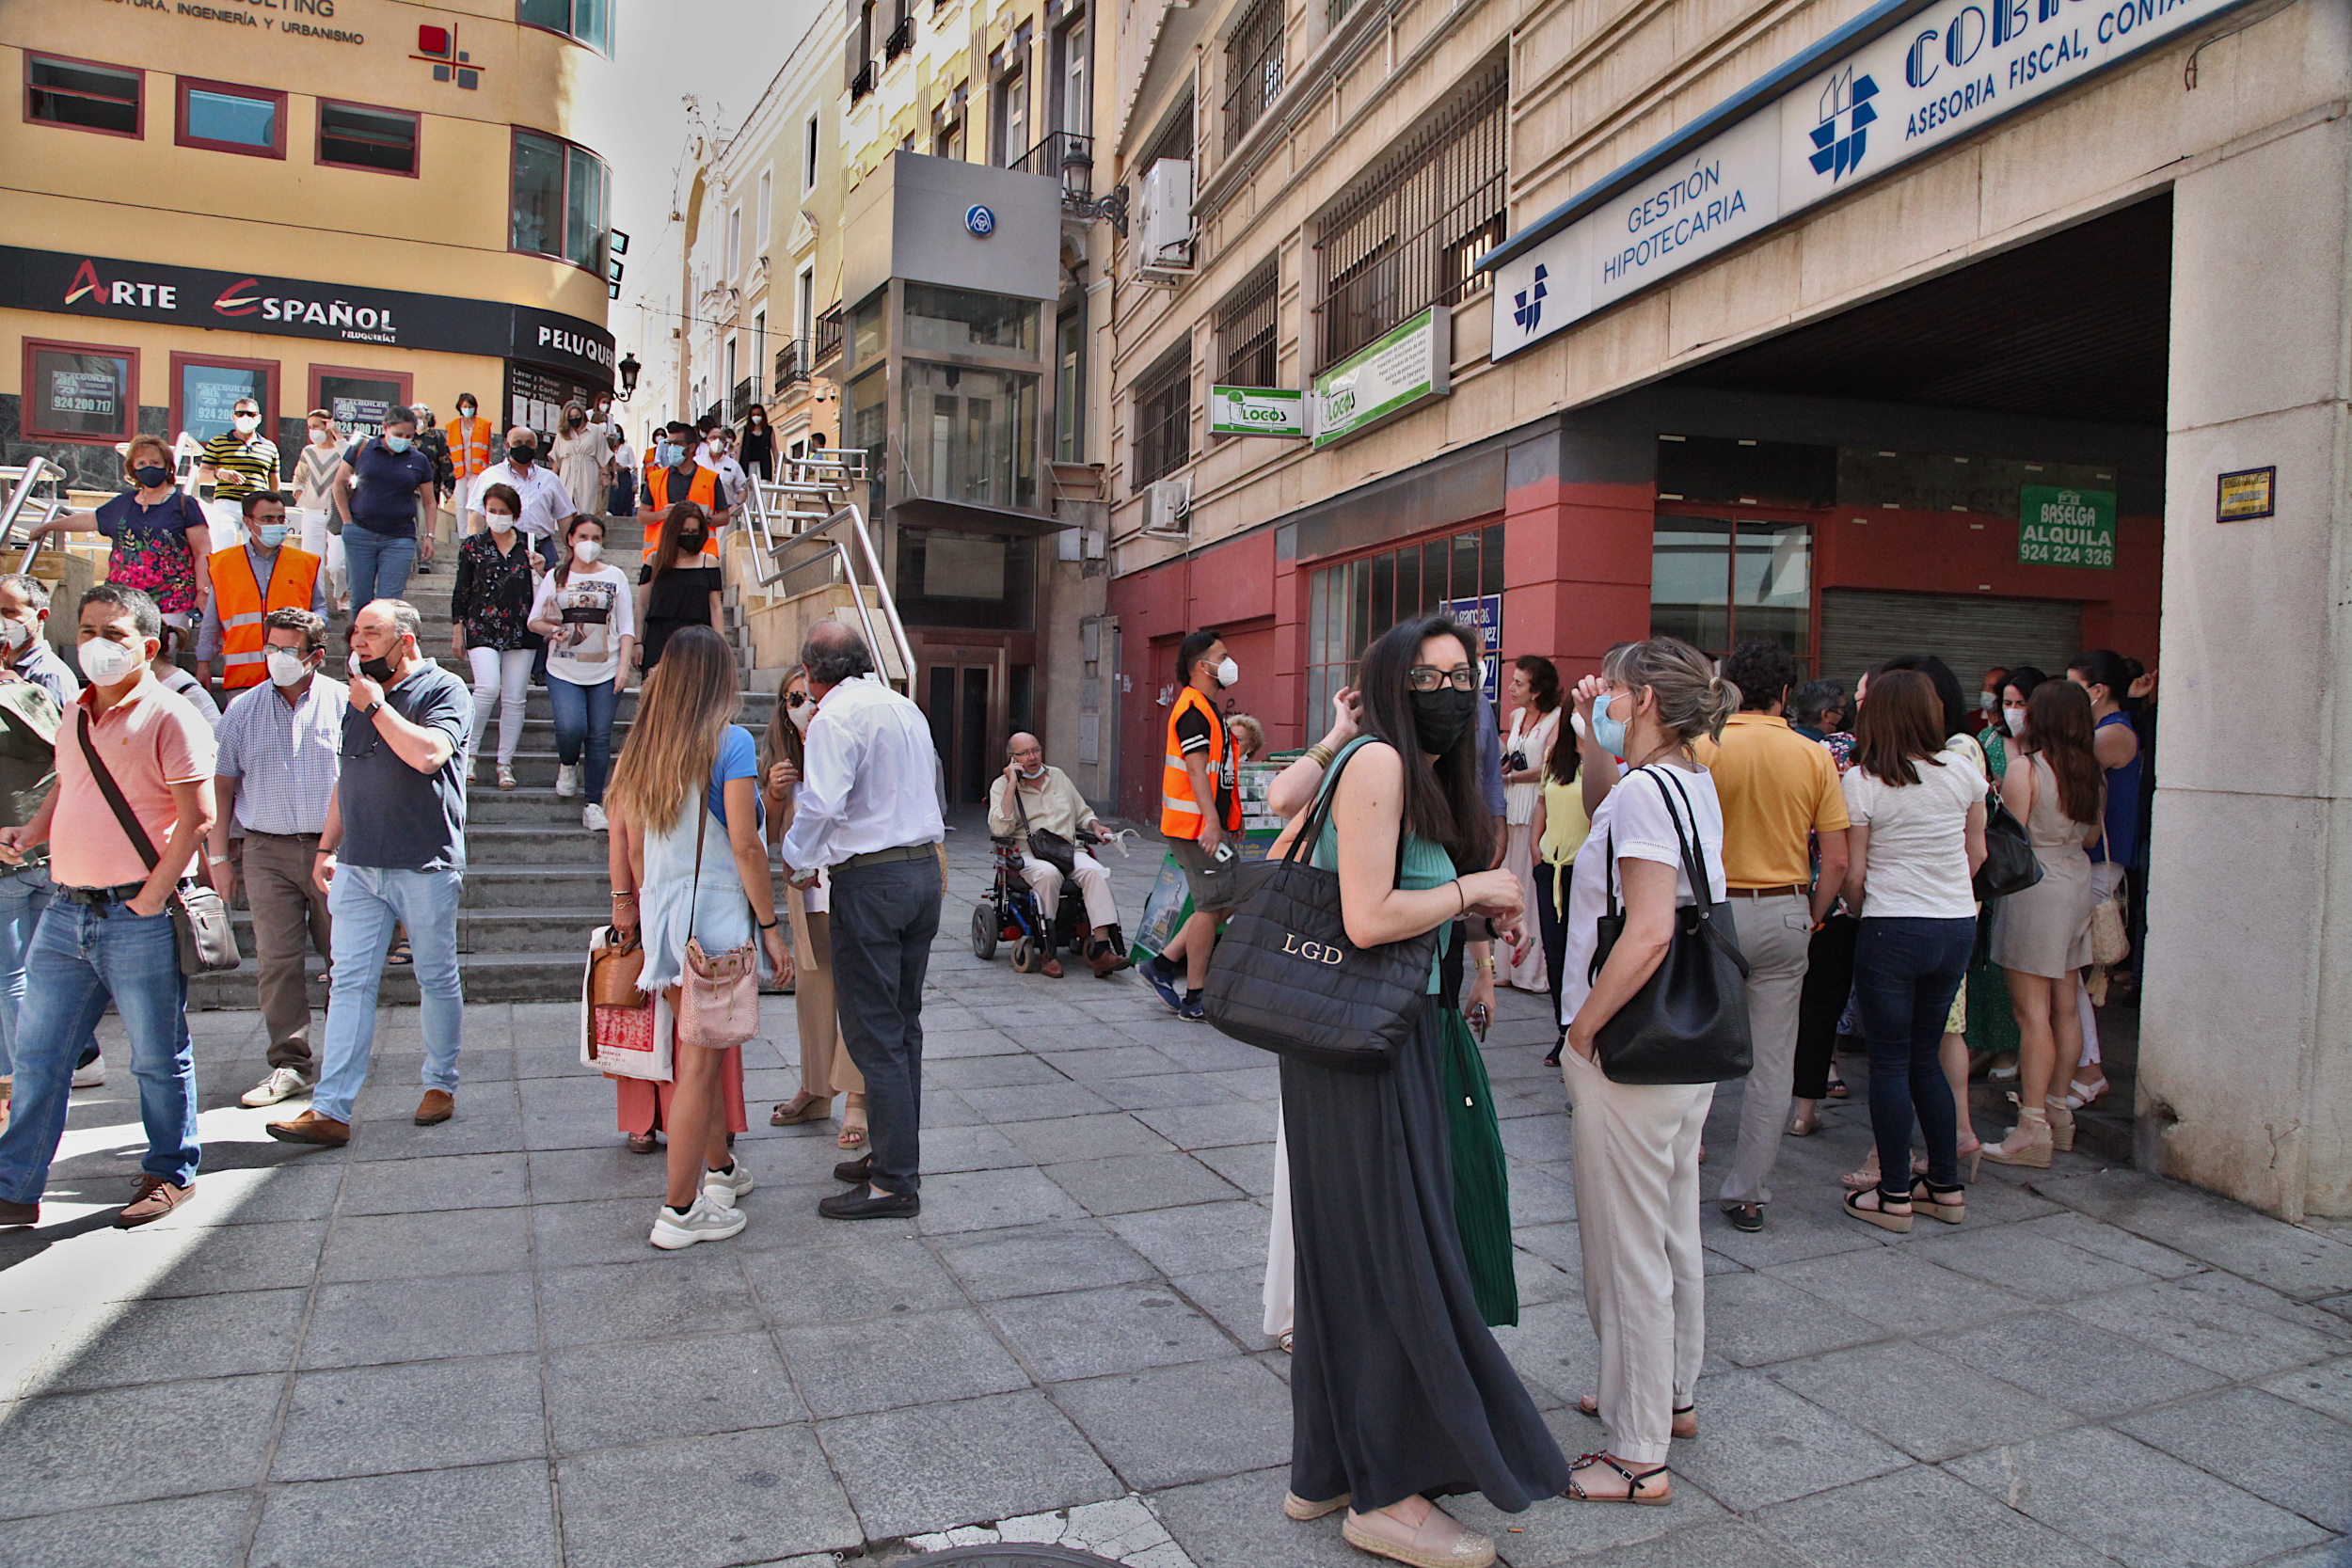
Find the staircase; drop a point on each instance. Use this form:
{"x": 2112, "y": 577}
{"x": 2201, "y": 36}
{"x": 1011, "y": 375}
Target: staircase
{"x": 536, "y": 879}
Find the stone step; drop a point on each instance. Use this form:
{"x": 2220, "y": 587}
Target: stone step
{"x": 490, "y": 930}
{"x": 551, "y": 977}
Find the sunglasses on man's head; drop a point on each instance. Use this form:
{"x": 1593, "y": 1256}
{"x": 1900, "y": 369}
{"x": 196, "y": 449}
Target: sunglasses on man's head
{"x": 1428, "y": 678}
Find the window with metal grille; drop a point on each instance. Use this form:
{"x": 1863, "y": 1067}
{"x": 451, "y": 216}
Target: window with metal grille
{"x": 1163, "y": 425}
{"x": 1405, "y": 237}
{"x": 1253, "y": 68}
{"x": 1245, "y": 330}
{"x": 1174, "y": 140}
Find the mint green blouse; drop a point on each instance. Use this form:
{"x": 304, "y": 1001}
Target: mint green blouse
{"x": 1424, "y": 864}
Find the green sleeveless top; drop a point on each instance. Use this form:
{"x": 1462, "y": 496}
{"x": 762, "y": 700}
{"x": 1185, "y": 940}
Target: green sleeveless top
{"x": 1424, "y": 864}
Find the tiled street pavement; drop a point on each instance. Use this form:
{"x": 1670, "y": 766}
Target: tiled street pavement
{"x": 454, "y": 1346}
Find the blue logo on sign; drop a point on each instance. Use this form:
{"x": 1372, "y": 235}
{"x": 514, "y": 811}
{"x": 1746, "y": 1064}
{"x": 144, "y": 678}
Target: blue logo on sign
{"x": 1843, "y": 132}
{"x": 980, "y": 221}
{"x": 1530, "y": 303}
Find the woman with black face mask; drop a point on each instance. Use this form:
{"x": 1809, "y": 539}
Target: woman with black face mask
{"x": 758, "y": 451}
{"x": 1398, "y": 1390}
{"x": 680, "y": 585}
{"x": 163, "y": 541}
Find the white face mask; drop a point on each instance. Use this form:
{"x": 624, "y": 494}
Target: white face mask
{"x": 107, "y": 662}
{"x": 286, "y": 667}
{"x": 2016, "y": 717}
{"x": 322, "y": 437}
{"x": 587, "y": 551}
{"x": 1988, "y": 701}
{"x": 249, "y": 423}
{"x": 17, "y": 633}
{"x": 1227, "y": 672}
{"x": 500, "y": 522}
{"x": 801, "y": 715}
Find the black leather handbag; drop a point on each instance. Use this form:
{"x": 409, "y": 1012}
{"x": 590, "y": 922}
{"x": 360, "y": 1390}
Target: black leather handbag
{"x": 1286, "y": 980}
{"x": 1051, "y": 848}
{"x": 1689, "y": 1022}
{"x": 2010, "y": 863}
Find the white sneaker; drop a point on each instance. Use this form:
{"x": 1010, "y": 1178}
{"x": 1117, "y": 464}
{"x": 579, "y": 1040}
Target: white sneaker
{"x": 708, "y": 1220}
{"x": 93, "y": 1076}
{"x": 283, "y": 1083}
{"x": 728, "y": 1188}
{"x": 566, "y": 780}
{"x": 592, "y": 818}
{"x": 470, "y": 769}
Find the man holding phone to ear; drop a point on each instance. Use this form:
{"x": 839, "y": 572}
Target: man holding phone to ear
{"x": 1200, "y": 816}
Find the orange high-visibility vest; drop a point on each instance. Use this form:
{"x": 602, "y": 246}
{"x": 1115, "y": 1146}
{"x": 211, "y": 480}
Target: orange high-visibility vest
{"x": 241, "y": 605}
{"x": 703, "y": 490}
{"x": 469, "y": 446}
{"x": 1180, "y": 813}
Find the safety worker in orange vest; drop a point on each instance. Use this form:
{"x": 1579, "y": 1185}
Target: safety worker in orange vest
{"x": 684, "y": 480}
{"x": 249, "y": 581}
{"x": 470, "y": 436}
{"x": 1200, "y": 816}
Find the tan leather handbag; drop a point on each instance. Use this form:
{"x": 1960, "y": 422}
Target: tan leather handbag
{"x": 613, "y": 969}
{"x": 718, "y": 997}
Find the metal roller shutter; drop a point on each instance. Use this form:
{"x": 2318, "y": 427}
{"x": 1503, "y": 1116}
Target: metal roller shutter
{"x": 1972, "y": 633}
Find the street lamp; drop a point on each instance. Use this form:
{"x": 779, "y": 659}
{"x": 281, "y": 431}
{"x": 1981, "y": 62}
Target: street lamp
{"x": 628, "y": 369}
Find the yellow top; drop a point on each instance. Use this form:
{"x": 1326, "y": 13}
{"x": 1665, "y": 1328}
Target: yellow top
{"x": 1776, "y": 788}
{"x": 1564, "y": 822}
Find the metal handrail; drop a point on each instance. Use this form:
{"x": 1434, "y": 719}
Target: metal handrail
{"x": 825, "y": 478}
{"x": 32, "y": 475}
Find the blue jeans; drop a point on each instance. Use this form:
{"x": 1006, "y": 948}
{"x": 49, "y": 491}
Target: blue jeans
{"x": 23, "y": 898}
{"x": 363, "y": 902}
{"x": 79, "y": 960}
{"x": 1906, "y": 972}
{"x": 584, "y": 714}
{"x": 378, "y": 564}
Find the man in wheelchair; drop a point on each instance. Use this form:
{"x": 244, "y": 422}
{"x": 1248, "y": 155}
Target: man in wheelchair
{"x": 1043, "y": 812}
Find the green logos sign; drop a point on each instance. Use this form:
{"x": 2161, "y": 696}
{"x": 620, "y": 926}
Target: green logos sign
{"x": 2059, "y": 527}
{"x": 1384, "y": 379}
{"x": 1256, "y": 411}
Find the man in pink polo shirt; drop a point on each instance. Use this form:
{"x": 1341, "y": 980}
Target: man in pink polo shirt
{"x": 107, "y": 936}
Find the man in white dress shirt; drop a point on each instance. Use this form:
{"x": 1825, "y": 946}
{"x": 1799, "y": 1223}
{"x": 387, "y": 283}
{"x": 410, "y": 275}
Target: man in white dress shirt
{"x": 547, "y": 508}
{"x": 868, "y": 813}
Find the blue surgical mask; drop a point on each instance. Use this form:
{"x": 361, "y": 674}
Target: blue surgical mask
{"x": 397, "y": 443}
{"x": 1608, "y": 733}
{"x": 270, "y": 534}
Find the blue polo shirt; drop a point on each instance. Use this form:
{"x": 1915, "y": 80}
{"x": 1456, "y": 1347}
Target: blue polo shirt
{"x": 384, "y": 500}
{"x": 394, "y": 817}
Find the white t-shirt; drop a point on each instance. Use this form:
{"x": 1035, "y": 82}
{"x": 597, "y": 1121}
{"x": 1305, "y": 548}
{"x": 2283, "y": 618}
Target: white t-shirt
{"x": 1918, "y": 853}
{"x": 597, "y": 609}
{"x": 1636, "y": 817}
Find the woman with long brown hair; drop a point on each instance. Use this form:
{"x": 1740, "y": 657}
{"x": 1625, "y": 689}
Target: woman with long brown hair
{"x": 680, "y": 586}
{"x": 686, "y": 764}
{"x": 1915, "y": 836}
{"x": 825, "y": 1066}
{"x": 2042, "y": 937}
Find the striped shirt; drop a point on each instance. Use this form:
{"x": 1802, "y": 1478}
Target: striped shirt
{"x": 243, "y": 463}
{"x": 287, "y": 758}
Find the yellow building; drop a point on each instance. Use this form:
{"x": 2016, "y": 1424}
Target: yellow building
{"x": 344, "y": 204}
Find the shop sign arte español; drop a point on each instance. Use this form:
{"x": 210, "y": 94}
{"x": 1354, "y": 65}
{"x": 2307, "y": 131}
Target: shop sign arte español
{"x": 1896, "y": 82}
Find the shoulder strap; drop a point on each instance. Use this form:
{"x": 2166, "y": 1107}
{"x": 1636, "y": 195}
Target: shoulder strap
{"x": 702, "y": 826}
{"x": 113, "y": 792}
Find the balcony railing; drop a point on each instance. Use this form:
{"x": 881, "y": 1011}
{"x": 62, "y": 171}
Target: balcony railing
{"x": 1065, "y": 156}
{"x": 901, "y": 38}
{"x": 739, "y": 400}
{"x": 826, "y": 347}
{"x": 792, "y": 366}
{"x": 863, "y": 82}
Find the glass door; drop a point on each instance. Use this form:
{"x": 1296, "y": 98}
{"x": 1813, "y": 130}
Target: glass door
{"x": 963, "y": 694}
{"x": 1716, "y": 582}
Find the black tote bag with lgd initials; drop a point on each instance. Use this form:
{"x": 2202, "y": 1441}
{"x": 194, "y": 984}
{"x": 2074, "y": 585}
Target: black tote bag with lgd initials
{"x": 1285, "y": 978}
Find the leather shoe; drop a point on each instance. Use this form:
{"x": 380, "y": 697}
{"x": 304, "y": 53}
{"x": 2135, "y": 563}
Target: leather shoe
{"x": 1107, "y": 961}
{"x": 156, "y": 1198}
{"x": 18, "y": 1213}
{"x": 862, "y": 1205}
{"x": 437, "y": 1107}
{"x": 311, "y": 1128}
{"x": 1051, "y": 969}
{"x": 858, "y": 1169}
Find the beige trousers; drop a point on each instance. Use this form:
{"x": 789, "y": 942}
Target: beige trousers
{"x": 825, "y": 1066}
{"x": 1637, "y": 1211}
{"x": 1095, "y": 884}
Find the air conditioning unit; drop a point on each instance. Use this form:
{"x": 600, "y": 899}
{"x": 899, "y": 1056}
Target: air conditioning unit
{"x": 1167, "y": 509}
{"x": 1164, "y": 222}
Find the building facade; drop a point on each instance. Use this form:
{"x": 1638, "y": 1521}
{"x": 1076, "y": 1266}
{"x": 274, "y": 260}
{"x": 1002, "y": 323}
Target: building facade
{"x": 340, "y": 205}
{"x": 1936, "y": 326}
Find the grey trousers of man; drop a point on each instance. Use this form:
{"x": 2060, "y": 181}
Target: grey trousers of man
{"x": 884, "y": 918}
{"x": 1775, "y": 935}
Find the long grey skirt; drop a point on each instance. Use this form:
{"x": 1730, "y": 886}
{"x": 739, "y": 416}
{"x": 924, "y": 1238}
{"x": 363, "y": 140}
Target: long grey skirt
{"x": 1397, "y": 1387}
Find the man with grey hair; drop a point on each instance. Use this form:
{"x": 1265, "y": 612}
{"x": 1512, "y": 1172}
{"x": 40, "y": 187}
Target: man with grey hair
{"x": 393, "y": 850}
{"x": 868, "y": 814}
{"x": 24, "y": 651}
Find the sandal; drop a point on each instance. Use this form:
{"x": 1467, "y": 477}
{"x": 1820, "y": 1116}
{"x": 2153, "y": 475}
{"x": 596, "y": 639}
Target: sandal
{"x": 1879, "y": 1214}
{"x": 1837, "y": 1089}
{"x": 852, "y": 1123}
{"x": 643, "y": 1143}
{"x": 801, "y": 1108}
{"x": 2081, "y": 1096}
{"x": 400, "y": 953}
{"x": 1948, "y": 1204}
{"x": 1633, "y": 1484}
{"x": 1686, "y": 1416}
{"x": 506, "y": 776}
{"x": 1805, "y": 1124}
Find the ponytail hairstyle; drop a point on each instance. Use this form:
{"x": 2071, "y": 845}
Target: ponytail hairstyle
{"x": 1443, "y": 801}
{"x": 2103, "y": 667}
{"x": 1692, "y": 700}
{"x": 1566, "y": 757}
{"x": 2058, "y": 731}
